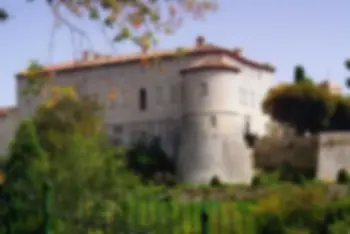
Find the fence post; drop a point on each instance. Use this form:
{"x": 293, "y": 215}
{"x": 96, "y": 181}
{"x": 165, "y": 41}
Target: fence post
{"x": 204, "y": 221}
{"x": 47, "y": 208}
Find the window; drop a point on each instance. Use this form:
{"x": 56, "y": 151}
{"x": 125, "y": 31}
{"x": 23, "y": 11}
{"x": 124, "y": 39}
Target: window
{"x": 204, "y": 89}
{"x": 118, "y": 129}
{"x": 213, "y": 121}
{"x": 142, "y": 99}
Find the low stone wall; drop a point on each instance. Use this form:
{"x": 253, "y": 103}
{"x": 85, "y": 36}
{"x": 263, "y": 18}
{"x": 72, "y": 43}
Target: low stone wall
{"x": 298, "y": 152}
{"x": 325, "y": 154}
{"x": 333, "y": 154}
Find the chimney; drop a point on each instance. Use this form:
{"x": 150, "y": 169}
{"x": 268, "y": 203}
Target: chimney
{"x": 237, "y": 51}
{"x": 85, "y": 55}
{"x": 200, "y": 41}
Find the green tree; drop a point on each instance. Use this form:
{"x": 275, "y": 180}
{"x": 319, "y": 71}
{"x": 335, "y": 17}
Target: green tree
{"x": 25, "y": 173}
{"x": 303, "y": 106}
{"x": 89, "y": 178}
{"x": 90, "y": 182}
{"x": 340, "y": 119}
{"x": 67, "y": 115}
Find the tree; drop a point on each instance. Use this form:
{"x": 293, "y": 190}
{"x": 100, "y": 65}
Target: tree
{"x": 303, "y": 106}
{"x": 299, "y": 74}
{"x": 90, "y": 182}
{"x": 340, "y": 119}
{"x": 25, "y": 174}
{"x": 137, "y": 21}
{"x": 89, "y": 176}
{"x": 66, "y": 115}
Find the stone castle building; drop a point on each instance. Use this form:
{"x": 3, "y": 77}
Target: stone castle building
{"x": 200, "y": 104}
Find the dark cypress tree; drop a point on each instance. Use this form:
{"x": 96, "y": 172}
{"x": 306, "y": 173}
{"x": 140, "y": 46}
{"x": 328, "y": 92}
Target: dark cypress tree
{"x": 299, "y": 74}
{"x": 347, "y": 66}
{"x": 24, "y": 179}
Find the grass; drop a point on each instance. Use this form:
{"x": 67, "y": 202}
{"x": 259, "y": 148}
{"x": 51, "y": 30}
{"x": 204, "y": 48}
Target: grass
{"x": 185, "y": 217}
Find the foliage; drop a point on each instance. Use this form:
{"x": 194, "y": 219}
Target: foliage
{"x": 137, "y": 21}
{"x": 347, "y": 66}
{"x": 215, "y": 182}
{"x": 3, "y": 15}
{"x": 304, "y": 106}
{"x": 299, "y": 74}
{"x": 89, "y": 177}
{"x": 66, "y": 116}
{"x": 308, "y": 107}
{"x": 24, "y": 176}
{"x": 89, "y": 180}
{"x": 340, "y": 119}
{"x": 343, "y": 177}
{"x": 265, "y": 179}
{"x": 296, "y": 208}
{"x": 149, "y": 161}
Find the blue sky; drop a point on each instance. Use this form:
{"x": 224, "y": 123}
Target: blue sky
{"x": 284, "y": 33}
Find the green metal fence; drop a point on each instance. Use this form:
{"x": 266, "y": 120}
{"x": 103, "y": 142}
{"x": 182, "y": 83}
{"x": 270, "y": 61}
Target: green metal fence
{"x": 153, "y": 214}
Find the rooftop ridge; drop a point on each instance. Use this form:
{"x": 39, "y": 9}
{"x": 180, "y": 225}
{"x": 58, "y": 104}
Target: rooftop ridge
{"x": 138, "y": 56}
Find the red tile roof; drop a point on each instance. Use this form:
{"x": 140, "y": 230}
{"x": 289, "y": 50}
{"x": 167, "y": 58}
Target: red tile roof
{"x": 206, "y": 49}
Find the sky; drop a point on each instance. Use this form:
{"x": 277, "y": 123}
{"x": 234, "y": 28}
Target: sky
{"x": 314, "y": 33}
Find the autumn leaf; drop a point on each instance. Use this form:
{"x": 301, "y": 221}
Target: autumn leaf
{"x": 136, "y": 20}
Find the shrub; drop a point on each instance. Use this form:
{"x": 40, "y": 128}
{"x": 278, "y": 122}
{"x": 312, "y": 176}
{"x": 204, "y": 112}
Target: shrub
{"x": 256, "y": 182}
{"x": 291, "y": 208}
{"x": 343, "y": 177}
{"x": 264, "y": 179}
{"x": 215, "y": 182}
{"x": 150, "y": 161}
{"x": 270, "y": 223}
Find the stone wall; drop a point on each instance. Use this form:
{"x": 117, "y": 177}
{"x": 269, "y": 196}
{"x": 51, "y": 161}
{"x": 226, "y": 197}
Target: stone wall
{"x": 333, "y": 154}
{"x": 325, "y": 154}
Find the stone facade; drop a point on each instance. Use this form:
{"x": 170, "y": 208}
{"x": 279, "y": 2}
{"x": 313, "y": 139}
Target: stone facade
{"x": 199, "y": 104}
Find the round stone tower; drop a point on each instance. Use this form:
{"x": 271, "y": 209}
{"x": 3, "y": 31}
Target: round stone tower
{"x": 212, "y": 141}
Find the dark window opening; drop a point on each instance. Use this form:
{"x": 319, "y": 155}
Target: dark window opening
{"x": 118, "y": 129}
{"x": 143, "y": 99}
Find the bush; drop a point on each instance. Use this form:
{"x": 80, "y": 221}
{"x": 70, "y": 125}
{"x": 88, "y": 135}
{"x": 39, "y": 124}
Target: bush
{"x": 150, "y": 161}
{"x": 270, "y": 223}
{"x": 264, "y": 179}
{"x": 291, "y": 208}
{"x": 343, "y": 177}
{"x": 215, "y": 182}
{"x": 256, "y": 182}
